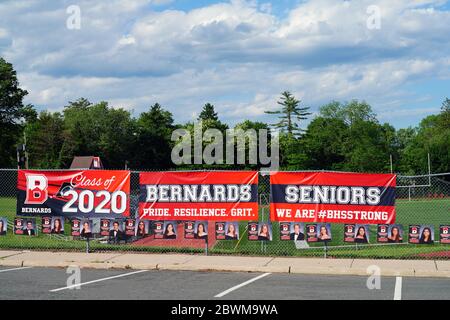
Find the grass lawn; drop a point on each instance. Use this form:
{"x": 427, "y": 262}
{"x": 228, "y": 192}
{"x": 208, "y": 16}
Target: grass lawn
{"x": 433, "y": 211}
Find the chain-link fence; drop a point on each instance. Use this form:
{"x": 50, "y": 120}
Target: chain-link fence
{"x": 420, "y": 200}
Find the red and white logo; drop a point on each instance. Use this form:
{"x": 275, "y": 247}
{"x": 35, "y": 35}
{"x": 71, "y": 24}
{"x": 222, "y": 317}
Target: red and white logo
{"x": 37, "y": 192}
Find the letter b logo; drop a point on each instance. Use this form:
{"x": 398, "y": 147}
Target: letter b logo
{"x": 37, "y": 192}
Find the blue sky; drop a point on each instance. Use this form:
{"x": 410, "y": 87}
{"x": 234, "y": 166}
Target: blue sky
{"x": 239, "y": 55}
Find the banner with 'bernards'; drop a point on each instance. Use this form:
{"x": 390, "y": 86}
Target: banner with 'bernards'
{"x": 214, "y": 195}
{"x": 77, "y": 193}
{"x": 333, "y": 197}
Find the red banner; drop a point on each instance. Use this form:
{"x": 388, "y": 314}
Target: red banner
{"x": 333, "y": 197}
{"x": 215, "y": 195}
{"x": 80, "y": 193}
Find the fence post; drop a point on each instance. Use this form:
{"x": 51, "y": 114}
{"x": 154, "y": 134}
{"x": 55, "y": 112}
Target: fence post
{"x": 262, "y": 219}
{"x": 87, "y": 245}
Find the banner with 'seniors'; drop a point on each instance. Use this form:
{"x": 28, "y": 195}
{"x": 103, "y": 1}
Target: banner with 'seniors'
{"x": 214, "y": 195}
{"x": 74, "y": 193}
{"x": 333, "y": 197}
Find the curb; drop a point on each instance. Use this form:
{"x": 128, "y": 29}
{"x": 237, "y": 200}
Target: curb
{"x": 205, "y": 268}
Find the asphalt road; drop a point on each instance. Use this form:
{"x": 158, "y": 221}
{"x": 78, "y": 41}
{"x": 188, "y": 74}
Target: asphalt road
{"x": 51, "y": 283}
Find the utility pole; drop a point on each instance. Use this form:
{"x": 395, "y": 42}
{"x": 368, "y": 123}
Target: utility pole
{"x": 22, "y": 162}
{"x": 18, "y": 157}
{"x": 25, "y": 149}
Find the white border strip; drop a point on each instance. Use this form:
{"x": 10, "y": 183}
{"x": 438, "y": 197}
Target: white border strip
{"x": 241, "y": 285}
{"x": 98, "y": 280}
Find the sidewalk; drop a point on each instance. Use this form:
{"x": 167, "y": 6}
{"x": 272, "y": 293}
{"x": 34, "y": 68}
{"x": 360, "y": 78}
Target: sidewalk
{"x": 414, "y": 268}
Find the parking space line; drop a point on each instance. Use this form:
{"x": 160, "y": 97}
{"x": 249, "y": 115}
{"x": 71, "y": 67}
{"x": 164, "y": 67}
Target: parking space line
{"x": 98, "y": 280}
{"x": 398, "y": 288}
{"x": 13, "y": 269}
{"x": 240, "y": 285}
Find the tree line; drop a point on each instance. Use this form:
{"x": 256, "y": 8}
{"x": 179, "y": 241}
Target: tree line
{"x": 343, "y": 136}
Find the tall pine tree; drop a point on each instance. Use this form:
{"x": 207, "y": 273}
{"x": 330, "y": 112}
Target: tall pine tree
{"x": 290, "y": 114}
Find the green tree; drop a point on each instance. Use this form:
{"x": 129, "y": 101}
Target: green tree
{"x": 292, "y": 152}
{"x": 366, "y": 148}
{"x": 44, "y": 140}
{"x": 250, "y": 127}
{"x": 154, "y": 129}
{"x": 404, "y": 141}
{"x": 432, "y": 136}
{"x": 97, "y": 129}
{"x": 350, "y": 112}
{"x": 210, "y": 120}
{"x": 290, "y": 114}
{"x": 12, "y": 113}
{"x": 324, "y": 143}
{"x": 445, "y": 114}
{"x": 208, "y": 113}
{"x": 349, "y": 137}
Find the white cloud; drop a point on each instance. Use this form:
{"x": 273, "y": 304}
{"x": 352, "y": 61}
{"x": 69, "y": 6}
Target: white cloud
{"x": 127, "y": 40}
{"x": 3, "y": 33}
